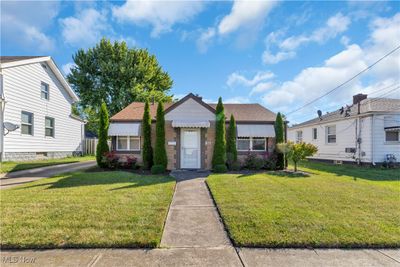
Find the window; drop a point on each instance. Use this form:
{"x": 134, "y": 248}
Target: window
{"x": 243, "y": 143}
{"x": 299, "y": 136}
{"x": 128, "y": 143}
{"x": 26, "y": 123}
{"x": 49, "y": 127}
{"x": 392, "y": 136}
{"x": 44, "y": 91}
{"x": 331, "y": 134}
{"x": 314, "y": 133}
{"x": 251, "y": 143}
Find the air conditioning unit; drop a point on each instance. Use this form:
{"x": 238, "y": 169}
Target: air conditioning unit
{"x": 350, "y": 150}
{"x": 338, "y": 162}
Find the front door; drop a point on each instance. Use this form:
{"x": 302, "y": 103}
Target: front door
{"x": 190, "y": 148}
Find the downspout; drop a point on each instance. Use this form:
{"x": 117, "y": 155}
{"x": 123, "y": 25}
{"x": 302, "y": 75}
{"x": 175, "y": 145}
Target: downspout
{"x": 372, "y": 140}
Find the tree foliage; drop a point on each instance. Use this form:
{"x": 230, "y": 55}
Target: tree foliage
{"x": 297, "y": 151}
{"x": 102, "y": 145}
{"x": 279, "y": 135}
{"x": 219, "y": 155}
{"x": 160, "y": 153}
{"x": 118, "y": 75}
{"x": 231, "y": 150}
{"x": 147, "y": 152}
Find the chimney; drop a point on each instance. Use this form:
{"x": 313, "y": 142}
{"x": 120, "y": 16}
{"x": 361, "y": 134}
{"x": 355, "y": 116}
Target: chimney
{"x": 358, "y": 98}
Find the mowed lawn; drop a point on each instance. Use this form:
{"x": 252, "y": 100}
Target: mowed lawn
{"x": 335, "y": 206}
{"x": 12, "y": 166}
{"x": 105, "y": 209}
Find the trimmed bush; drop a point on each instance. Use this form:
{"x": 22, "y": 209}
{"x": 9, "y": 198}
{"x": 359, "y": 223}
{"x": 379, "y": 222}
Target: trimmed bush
{"x": 253, "y": 162}
{"x": 236, "y": 166}
{"x": 157, "y": 169}
{"x": 160, "y": 153}
{"x": 114, "y": 161}
{"x": 231, "y": 150}
{"x": 220, "y": 168}
{"x": 279, "y": 135}
{"x": 219, "y": 155}
{"x": 102, "y": 145}
{"x": 146, "y": 133}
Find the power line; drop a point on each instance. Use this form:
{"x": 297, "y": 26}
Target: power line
{"x": 349, "y": 80}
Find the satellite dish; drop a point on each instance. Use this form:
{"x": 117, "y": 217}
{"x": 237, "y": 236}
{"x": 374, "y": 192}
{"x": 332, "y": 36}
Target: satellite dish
{"x": 10, "y": 127}
{"x": 319, "y": 114}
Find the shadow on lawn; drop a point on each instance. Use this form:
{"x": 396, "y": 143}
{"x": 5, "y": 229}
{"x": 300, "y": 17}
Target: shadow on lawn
{"x": 105, "y": 178}
{"x": 354, "y": 171}
{"x": 285, "y": 174}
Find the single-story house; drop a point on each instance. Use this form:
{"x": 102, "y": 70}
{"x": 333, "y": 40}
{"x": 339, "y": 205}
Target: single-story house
{"x": 190, "y": 130}
{"x": 367, "y": 131}
{"x": 35, "y": 118}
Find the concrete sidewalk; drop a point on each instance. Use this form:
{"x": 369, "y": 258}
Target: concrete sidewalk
{"x": 12, "y": 179}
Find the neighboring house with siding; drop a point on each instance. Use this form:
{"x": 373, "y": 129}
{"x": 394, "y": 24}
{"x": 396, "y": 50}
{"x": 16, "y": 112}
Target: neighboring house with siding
{"x": 190, "y": 130}
{"x": 36, "y": 97}
{"x": 364, "y": 132}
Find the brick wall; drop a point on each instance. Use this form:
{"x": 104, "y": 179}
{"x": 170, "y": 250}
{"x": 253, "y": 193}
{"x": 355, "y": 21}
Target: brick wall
{"x": 209, "y": 145}
{"x": 170, "y": 135}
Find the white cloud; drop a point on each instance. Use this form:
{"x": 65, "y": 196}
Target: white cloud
{"x": 334, "y": 25}
{"x": 236, "y": 78}
{"x": 84, "y": 29}
{"x": 313, "y": 82}
{"x": 205, "y": 39}
{"x": 245, "y": 14}
{"x": 261, "y": 88}
{"x": 25, "y": 23}
{"x": 161, "y": 15}
{"x": 66, "y": 68}
{"x": 237, "y": 100}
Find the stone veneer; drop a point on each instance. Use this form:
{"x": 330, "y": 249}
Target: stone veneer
{"x": 27, "y": 156}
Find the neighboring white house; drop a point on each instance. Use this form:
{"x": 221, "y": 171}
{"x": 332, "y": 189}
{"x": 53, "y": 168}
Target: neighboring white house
{"x": 365, "y": 132}
{"x": 36, "y": 97}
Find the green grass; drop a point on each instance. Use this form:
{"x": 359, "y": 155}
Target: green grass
{"x": 335, "y": 206}
{"x": 107, "y": 209}
{"x": 12, "y": 166}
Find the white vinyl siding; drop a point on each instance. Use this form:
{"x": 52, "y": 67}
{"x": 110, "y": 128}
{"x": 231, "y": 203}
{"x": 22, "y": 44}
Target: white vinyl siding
{"x": 21, "y": 89}
{"x": 190, "y": 110}
{"x": 128, "y": 143}
{"x": 251, "y": 144}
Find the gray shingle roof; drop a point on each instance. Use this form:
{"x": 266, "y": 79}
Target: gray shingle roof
{"x": 6, "y": 59}
{"x": 366, "y": 105}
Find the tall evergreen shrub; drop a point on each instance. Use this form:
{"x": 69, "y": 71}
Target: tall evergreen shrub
{"x": 102, "y": 146}
{"x": 219, "y": 156}
{"x": 147, "y": 152}
{"x": 160, "y": 153}
{"x": 279, "y": 136}
{"x": 231, "y": 150}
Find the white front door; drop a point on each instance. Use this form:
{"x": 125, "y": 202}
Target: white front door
{"x": 190, "y": 148}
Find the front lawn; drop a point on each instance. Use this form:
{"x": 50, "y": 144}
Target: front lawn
{"x": 107, "y": 209}
{"x": 335, "y": 206}
{"x": 12, "y": 166}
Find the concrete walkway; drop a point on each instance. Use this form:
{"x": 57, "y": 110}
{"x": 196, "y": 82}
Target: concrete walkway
{"x": 194, "y": 236}
{"x": 12, "y": 179}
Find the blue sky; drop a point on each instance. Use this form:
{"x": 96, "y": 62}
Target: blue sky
{"x": 278, "y": 54}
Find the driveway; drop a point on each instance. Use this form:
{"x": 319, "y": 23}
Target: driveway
{"x": 12, "y": 179}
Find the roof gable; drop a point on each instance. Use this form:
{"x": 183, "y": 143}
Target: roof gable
{"x": 15, "y": 61}
{"x": 190, "y": 107}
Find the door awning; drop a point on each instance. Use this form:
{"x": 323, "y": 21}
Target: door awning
{"x": 255, "y": 130}
{"x": 392, "y": 129}
{"x": 190, "y": 124}
{"x": 123, "y": 129}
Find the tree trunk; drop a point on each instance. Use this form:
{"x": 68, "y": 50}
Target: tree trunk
{"x": 295, "y": 166}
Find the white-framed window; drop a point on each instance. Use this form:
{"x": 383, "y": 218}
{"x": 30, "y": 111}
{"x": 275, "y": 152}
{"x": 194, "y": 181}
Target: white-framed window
{"x": 299, "y": 136}
{"x": 49, "y": 126}
{"x": 392, "y": 136}
{"x": 26, "y": 123}
{"x": 128, "y": 143}
{"x": 251, "y": 144}
{"x": 44, "y": 91}
{"x": 331, "y": 134}
{"x": 314, "y": 133}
